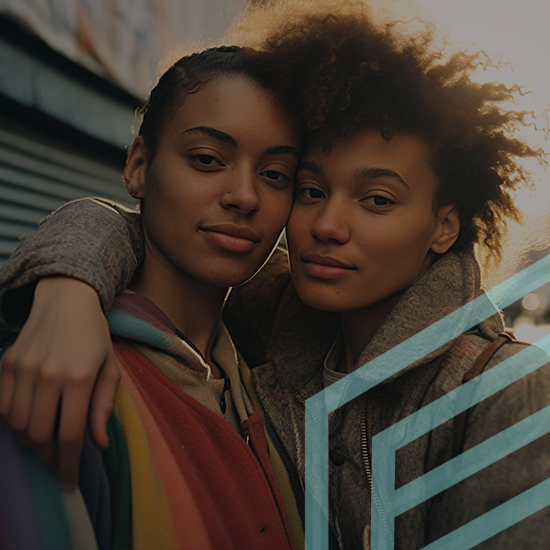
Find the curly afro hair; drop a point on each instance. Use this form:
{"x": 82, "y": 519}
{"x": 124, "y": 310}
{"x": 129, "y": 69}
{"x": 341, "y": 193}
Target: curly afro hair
{"x": 345, "y": 70}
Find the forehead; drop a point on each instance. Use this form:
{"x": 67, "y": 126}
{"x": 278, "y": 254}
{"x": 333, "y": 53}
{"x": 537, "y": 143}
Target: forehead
{"x": 235, "y": 105}
{"x": 406, "y": 154}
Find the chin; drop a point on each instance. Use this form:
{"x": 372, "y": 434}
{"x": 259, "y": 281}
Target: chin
{"x": 227, "y": 282}
{"x": 321, "y": 301}
{"x": 228, "y": 274}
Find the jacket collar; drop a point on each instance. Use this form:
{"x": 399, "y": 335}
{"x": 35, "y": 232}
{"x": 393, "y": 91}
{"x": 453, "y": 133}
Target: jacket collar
{"x": 302, "y": 336}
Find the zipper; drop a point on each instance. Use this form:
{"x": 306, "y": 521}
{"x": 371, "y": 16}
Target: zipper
{"x": 302, "y": 400}
{"x": 367, "y": 466}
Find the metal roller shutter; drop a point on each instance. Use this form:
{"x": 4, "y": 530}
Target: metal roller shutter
{"x": 36, "y": 178}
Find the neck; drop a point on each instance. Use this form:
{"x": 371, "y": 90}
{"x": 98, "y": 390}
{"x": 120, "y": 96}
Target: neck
{"x": 358, "y": 328}
{"x": 194, "y": 307}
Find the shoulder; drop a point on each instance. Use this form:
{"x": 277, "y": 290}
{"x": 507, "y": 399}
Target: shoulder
{"x": 517, "y": 385}
{"x": 518, "y": 365}
{"x": 474, "y": 353}
{"x": 513, "y": 451}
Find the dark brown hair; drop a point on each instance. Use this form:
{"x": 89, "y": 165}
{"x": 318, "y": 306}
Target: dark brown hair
{"x": 353, "y": 72}
{"x": 187, "y": 76}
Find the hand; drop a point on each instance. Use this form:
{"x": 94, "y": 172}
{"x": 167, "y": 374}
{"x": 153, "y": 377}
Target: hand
{"x": 62, "y": 354}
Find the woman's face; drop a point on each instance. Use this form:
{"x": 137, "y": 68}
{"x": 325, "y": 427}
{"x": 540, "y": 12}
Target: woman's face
{"x": 218, "y": 191}
{"x": 363, "y": 226}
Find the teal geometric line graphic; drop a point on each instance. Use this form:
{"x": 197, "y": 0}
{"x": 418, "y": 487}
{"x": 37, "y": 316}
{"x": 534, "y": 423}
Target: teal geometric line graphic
{"x": 429, "y": 417}
{"x": 439, "y": 479}
{"x": 496, "y": 520}
{"x": 393, "y": 361}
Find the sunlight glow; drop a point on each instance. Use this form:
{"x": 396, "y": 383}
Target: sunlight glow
{"x": 515, "y": 34}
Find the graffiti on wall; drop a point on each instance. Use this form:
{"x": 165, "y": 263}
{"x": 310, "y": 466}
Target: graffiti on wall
{"x": 122, "y": 40}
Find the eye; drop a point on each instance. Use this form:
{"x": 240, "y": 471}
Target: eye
{"x": 313, "y": 193}
{"x": 275, "y": 176}
{"x": 206, "y": 160}
{"x": 379, "y": 200}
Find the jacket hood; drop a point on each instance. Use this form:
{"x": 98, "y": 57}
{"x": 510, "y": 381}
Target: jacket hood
{"x": 451, "y": 282}
{"x": 137, "y": 319}
{"x": 302, "y": 336}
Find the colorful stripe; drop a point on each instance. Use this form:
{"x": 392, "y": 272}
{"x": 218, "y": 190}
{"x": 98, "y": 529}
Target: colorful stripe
{"x": 117, "y": 466}
{"x": 279, "y": 469}
{"x": 213, "y": 489}
{"x": 150, "y": 518}
{"x": 186, "y": 527}
{"x": 176, "y": 475}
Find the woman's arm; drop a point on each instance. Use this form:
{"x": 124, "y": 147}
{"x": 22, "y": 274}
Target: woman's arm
{"x": 94, "y": 240}
{"x": 64, "y": 350}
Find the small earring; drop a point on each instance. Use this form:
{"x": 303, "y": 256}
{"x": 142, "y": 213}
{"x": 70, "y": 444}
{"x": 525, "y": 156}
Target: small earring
{"x": 133, "y": 194}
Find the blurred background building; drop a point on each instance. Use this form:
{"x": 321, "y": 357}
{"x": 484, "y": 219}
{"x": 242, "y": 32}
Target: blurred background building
{"x": 71, "y": 75}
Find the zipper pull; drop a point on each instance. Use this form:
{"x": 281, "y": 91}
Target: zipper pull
{"x": 226, "y": 386}
{"x": 246, "y": 431}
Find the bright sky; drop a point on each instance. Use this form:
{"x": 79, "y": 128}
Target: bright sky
{"x": 518, "y": 31}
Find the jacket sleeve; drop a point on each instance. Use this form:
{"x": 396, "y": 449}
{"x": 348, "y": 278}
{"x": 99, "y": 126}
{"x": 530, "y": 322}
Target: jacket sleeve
{"x": 94, "y": 240}
{"x": 509, "y": 476}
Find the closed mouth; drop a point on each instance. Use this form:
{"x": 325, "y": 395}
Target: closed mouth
{"x": 233, "y": 230}
{"x": 326, "y": 261}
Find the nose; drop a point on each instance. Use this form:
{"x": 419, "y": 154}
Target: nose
{"x": 242, "y": 194}
{"x": 331, "y": 224}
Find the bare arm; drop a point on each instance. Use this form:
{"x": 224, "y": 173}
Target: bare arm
{"x": 64, "y": 349}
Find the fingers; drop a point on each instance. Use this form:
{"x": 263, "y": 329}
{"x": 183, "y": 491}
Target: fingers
{"x": 30, "y": 414}
{"x": 17, "y": 387}
{"x": 48, "y": 375}
{"x": 7, "y": 385}
{"x": 103, "y": 400}
{"x": 72, "y": 425}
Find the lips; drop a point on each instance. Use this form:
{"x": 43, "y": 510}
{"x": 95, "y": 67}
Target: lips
{"x": 325, "y": 267}
{"x": 231, "y": 237}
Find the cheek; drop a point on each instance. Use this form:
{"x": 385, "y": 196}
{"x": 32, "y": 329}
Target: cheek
{"x": 275, "y": 212}
{"x": 400, "y": 235}
{"x": 297, "y": 227}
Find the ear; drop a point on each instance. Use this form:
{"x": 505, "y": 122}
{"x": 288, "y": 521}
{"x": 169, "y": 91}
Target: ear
{"x": 135, "y": 170}
{"x": 448, "y": 229}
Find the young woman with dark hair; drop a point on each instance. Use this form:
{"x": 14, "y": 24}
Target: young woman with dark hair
{"x": 188, "y": 464}
{"x": 409, "y": 163}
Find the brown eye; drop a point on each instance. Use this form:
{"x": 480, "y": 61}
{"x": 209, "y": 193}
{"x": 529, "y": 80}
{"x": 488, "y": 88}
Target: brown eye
{"x": 379, "y": 200}
{"x": 274, "y": 175}
{"x": 206, "y": 160}
{"x": 312, "y": 193}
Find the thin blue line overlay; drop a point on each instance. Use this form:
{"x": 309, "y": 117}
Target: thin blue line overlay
{"x": 393, "y": 361}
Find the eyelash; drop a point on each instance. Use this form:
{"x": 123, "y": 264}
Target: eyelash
{"x": 266, "y": 172}
{"x": 302, "y": 193}
{"x": 388, "y": 203}
{"x": 281, "y": 177}
{"x": 200, "y": 158}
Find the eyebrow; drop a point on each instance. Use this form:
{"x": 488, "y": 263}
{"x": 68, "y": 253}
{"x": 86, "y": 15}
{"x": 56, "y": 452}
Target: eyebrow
{"x": 212, "y": 132}
{"x": 373, "y": 173}
{"x": 311, "y": 166}
{"x": 283, "y": 150}
{"x": 230, "y": 140}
